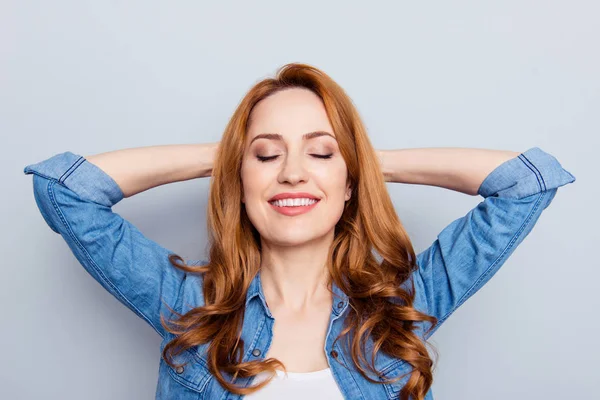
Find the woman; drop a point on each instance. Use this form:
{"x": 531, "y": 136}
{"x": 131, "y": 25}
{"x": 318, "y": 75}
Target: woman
{"x": 312, "y": 287}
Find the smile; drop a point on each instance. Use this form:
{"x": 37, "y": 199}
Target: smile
{"x": 292, "y": 207}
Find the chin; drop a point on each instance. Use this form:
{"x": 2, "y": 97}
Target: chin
{"x": 295, "y": 238}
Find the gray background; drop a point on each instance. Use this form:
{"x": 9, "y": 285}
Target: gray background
{"x": 90, "y": 77}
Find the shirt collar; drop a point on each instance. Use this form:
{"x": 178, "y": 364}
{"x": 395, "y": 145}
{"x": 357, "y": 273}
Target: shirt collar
{"x": 256, "y": 290}
{"x": 340, "y": 299}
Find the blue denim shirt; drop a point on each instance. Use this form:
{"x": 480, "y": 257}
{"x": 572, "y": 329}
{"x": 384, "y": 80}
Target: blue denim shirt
{"x": 75, "y": 199}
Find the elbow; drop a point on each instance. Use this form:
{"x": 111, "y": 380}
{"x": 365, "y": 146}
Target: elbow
{"x": 41, "y": 194}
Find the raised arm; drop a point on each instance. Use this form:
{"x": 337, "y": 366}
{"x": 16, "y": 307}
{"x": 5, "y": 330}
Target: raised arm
{"x": 75, "y": 197}
{"x": 471, "y": 249}
{"x": 138, "y": 169}
{"x": 455, "y": 168}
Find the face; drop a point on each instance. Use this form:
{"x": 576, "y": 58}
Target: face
{"x": 292, "y": 151}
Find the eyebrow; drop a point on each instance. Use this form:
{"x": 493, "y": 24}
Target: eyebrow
{"x": 306, "y": 136}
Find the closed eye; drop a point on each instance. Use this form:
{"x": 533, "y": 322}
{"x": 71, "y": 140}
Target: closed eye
{"x": 263, "y": 159}
{"x": 321, "y": 156}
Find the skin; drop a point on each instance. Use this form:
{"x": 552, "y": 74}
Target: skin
{"x": 295, "y": 248}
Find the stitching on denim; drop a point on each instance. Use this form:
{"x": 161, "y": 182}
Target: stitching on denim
{"x": 202, "y": 388}
{"x": 534, "y": 172}
{"x": 250, "y": 297}
{"x": 334, "y": 309}
{"x": 255, "y": 340}
{"x": 35, "y": 172}
{"x": 263, "y": 303}
{"x": 174, "y": 305}
{"x": 506, "y": 249}
{"x": 80, "y": 161}
{"x": 390, "y": 387}
{"x": 207, "y": 376}
{"x": 70, "y": 170}
{"x": 532, "y": 168}
{"x": 341, "y": 354}
{"x": 256, "y": 337}
{"x": 67, "y": 170}
{"x": 429, "y": 306}
{"x": 538, "y": 171}
{"x": 189, "y": 384}
{"x": 180, "y": 294}
{"x": 393, "y": 365}
{"x": 93, "y": 263}
{"x": 193, "y": 385}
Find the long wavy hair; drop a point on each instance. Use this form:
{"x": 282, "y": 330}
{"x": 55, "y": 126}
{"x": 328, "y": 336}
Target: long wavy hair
{"x": 379, "y": 307}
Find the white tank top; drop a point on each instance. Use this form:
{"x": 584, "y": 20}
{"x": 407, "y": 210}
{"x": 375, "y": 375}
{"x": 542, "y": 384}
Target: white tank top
{"x": 297, "y": 386}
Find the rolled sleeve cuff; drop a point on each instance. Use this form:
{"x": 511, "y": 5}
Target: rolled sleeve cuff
{"x": 531, "y": 172}
{"x": 82, "y": 177}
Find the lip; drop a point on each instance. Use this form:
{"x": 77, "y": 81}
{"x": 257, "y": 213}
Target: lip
{"x": 293, "y": 211}
{"x": 298, "y": 195}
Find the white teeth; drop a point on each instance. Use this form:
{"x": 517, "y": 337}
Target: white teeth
{"x": 293, "y": 202}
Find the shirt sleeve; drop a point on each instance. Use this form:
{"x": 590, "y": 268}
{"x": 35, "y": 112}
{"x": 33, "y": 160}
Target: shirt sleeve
{"x": 75, "y": 198}
{"x": 471, "y": 249}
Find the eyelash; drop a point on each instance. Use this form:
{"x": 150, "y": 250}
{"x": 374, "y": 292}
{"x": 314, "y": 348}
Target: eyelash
{"x": 321, "y": 156}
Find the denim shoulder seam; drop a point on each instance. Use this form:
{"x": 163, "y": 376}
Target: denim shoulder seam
{"x": 93, "y": 263}
{"x": 486, "y": 272}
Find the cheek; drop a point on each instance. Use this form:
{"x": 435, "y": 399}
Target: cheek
{"x": 250, "y": 178}
{"x": 255, "y": 184}
{"x": 332, "y": 179}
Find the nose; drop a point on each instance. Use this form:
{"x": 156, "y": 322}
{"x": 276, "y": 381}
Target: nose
{"x": 292, "y": 170}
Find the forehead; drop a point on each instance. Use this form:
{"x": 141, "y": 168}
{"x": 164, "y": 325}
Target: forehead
{"x": 290, "y": 113}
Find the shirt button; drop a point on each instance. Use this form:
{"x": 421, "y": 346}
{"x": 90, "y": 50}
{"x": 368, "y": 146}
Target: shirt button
{"x": 256, "y": 352}
{"x": 340, "y": 304}
{"x": 333, "y": 353}
{"x": 179, "y": 369}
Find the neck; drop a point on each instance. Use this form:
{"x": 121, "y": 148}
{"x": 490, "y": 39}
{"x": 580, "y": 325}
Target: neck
{"x": 295, "y": 277}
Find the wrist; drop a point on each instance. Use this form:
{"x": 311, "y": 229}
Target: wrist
{"x": 206, "y": 155}
{"x": 382, "y": 156}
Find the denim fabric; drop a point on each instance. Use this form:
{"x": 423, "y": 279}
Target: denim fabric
{"x": 75, "y": 199}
